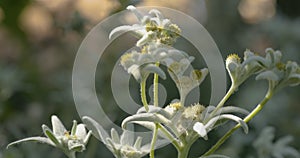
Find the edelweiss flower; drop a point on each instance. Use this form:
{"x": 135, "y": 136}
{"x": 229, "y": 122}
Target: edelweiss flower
{"x": 266, "y": 147}
{"x": 122, "y": 146}
{"x": 60, "y": 138}
{"x": 152, "y": 27}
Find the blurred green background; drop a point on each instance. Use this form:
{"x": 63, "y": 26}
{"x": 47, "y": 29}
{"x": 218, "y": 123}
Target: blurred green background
{"x": 38, "y": 44}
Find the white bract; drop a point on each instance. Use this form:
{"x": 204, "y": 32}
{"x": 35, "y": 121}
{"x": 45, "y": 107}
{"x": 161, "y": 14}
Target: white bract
{"x": 60, "y": 138}
{"x": 123, "y": 146}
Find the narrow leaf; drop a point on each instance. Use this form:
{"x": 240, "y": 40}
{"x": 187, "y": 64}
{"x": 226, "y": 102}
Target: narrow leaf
{"x": 57, "y": 126}
{"x": 156, "y": 118}
{"x": 80, "y": 131}
{"x": 47, "y": 131}
{"x": 96, "y": 128}
{"x": 34, "y": 139}
{"x": 138, "y": 143}
{"x": 115, "y": 136}
{"x": 127, "y": 137}
{"x": 74, "y": 127}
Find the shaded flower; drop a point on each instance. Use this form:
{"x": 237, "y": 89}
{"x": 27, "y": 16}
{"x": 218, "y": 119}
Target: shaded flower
{"x": 60, "y": 138}
{"x": 122, "y": 146}
{"x": 281, "y": 75}
{"x": 239, "y": 71}
{"x": 140, "y": 65}
{"x": 267, "y": 147}
{"x": 152, "y": 27}
{"x": 185, "y": 122}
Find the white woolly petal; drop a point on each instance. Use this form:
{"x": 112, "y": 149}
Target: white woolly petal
{"x": 200, "y": 129}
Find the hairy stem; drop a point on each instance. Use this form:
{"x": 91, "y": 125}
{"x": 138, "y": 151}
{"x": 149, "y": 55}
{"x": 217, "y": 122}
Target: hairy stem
{"x": 224, "y": 99}
{"x": 184, "y": 150}
{"x": 143, "y": 94}
{"x": 153, "y": 141}
{"x": 253, "y": 113}
{"x": 169, "y": 136}
{"x": 155, "y": 87}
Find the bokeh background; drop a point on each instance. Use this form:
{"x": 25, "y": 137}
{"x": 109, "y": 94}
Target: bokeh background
{"x": 38, "y": 44}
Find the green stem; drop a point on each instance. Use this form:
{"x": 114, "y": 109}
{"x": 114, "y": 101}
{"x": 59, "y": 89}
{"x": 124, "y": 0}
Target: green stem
{"x": 169, "y": 136}
{"x": 70, "y": 154}
{"x": 143, "y": 94}
{"x": 224, "y": 99}
{"x": 184, "y": 150}
{"x": 253, "y": 113}
{"x": 155, "y": 87}
{"x": 153, "y": 142}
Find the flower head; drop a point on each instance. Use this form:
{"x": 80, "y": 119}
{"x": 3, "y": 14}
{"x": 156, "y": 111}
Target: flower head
{"x": 59, "y": 137}
{"x": 123, "y": 146}
{"x": 152, "y": 27}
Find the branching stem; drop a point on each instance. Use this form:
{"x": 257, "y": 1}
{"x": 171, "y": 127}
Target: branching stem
{"x": 253, "y": 113}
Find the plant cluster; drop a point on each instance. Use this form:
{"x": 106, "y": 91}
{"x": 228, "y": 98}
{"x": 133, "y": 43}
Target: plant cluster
{"x": 177, "y": 123}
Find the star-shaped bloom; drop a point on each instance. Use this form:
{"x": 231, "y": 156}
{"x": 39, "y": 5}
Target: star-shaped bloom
{"x": 152, "y": 27}
{"x": 59, "y": 137}
{"x": 123, "y": 146}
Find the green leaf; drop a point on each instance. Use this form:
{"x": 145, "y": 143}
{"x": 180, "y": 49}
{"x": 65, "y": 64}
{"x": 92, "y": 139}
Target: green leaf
{"x": 47, "y": 131}
{"x": 74, "y": 127}
{"x": 76, "y": 147}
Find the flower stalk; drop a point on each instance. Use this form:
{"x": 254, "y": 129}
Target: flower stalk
{"x": 143, "y": 94}
{"x": 249, "y": 117}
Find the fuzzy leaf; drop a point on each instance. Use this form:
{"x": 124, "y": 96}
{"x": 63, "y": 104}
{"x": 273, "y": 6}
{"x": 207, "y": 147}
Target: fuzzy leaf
{"x": 231, "y": 109}
{"x": 148, "y": 117}
{"x": 57, "y": 126}
{"x": 127, "y": 137}
{"x": 155, "y": 109}
{"x": 268, "y": 75}
{"x": 75, "y": 146}
{"x": 212, "y": 122}
{"x": 47, "y": 131}
{"x": 34, "y": 139}
{"x": 114, "y": 136}
{"x": 81, "y": 131}
{"x": 159, "y": 143}
{"x": 151, "y": 68}
{"x": 120, "y": 30}
{"x": 96, "y": 128}
{"x": 74, "y": 127}
{"x": 136, "y": 12}
{"x": 200, "y": 129}
{"x": 138, "y": 143}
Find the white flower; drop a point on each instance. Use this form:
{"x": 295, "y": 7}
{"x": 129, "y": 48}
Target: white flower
{"x": 152, "y": 27}
{"x": 60, "y": 138}
{"x": 267, "y": 147}
{"x": 123, "y": 146}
